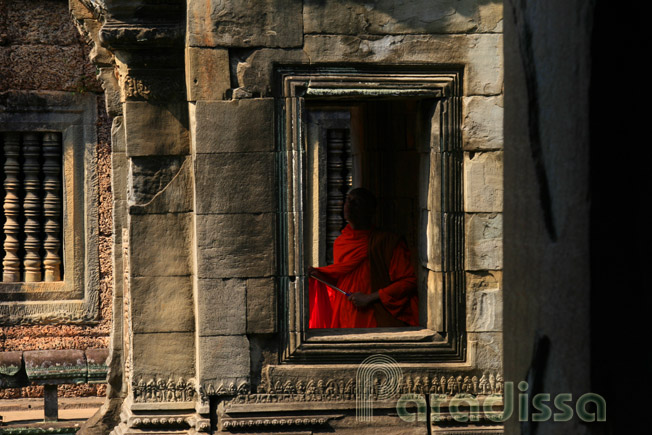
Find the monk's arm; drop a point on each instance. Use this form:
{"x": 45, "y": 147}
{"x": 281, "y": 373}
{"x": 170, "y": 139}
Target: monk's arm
{"x": 404, "y": 281}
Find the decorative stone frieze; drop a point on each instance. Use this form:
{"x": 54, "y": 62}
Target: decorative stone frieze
{"x": 156, "y": 390}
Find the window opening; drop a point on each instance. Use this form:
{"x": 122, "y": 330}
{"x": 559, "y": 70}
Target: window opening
{"x": 32, "y": 205}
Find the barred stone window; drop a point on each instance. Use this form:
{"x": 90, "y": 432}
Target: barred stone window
{"x": 50, "y": 261}
{"x": 31, "y": 163}
{"x": 398, "y": 134}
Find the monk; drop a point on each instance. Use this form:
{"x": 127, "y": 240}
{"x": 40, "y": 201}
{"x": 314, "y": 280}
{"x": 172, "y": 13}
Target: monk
{"x": 373, "y": 266}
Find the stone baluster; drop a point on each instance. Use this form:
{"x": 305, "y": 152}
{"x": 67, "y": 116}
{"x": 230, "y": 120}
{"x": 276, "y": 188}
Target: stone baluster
{"x": 335, "y": 182}
{"x": 11, "y": 261}
{"x": 348, "y": 162}
{"x": 32, "y": 208}
{"x": 52, "y": 206}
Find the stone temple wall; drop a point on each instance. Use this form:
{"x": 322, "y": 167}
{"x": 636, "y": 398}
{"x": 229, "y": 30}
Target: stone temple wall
{"x": 210, "y": 189}
{"x": 43, "y": 55}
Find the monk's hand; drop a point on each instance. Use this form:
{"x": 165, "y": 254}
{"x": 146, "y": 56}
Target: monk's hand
{"x": 362, "y": 300}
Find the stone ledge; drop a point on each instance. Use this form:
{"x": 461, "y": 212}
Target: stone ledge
{"x": 53, "y": 367}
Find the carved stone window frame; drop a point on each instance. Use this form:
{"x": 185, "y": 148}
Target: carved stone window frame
{"x": 444, "y": 338}
{"x": 75, "y": 299}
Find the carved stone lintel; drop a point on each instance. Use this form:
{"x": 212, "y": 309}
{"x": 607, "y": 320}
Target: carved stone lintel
{"x": 120, "y": 35}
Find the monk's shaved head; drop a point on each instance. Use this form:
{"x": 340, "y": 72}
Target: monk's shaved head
{"x": 360, "y": 207}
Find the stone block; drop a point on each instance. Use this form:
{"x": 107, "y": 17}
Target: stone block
{"x": 487, "y": 350}
{"x": 118, "y": 144}
{"x": 97, "y": 360}
{"x": 221, "y": 306}
{"x": 484, "y": 280}
{"x": 24, "y": 68}
{"x": 481, "y": 53}
{"x": 261, "y": 306}
{"x": 483, "y": 181}
{"x": 430, "y": 245}
{"x": 159, "y": 244}
{"x": 162, "y": 304}
{"x": 235, "y": 245}
{"x": 482, "y": 127}
{"x": 160, "y": 185}
{"x": 484, "y": 311}
{"x": 402, "y": 16}
{"x": 53, "y": 367}
{"x": 207, "y": 73}
{"x": 112, "y": 97}
{"x": 235, "y": 183}
{"x": 484, "y": 241}
{"x": 234, "y": 126}
{"x": 163, "y": 355}
{"x": 156, "y": 129}
{"x": 245, "y": 23}
{"x": 223, "y": 359}
{"x": 11, "y": 375}
{"x": 256, "y": 71}
{"x": 432, "y": 307}
{"x": 119, "y": 171}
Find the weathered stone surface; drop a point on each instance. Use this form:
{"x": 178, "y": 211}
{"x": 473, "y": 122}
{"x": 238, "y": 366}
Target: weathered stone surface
{"x": 246, "y": 23}
{"x": 223, "y": 359}
{"x": 432, "y": 308}
{"x": 56, "y": 366}
{"x": 24, "y": 68}
{"x": 256, "y": 70}
{"x": 162, "y": 304}
{"x": 483, "y": 181}
{"x": 261, "y": 306}
{"x": 487, "y": 348}
{"x": 235, "y": 182}
{"x": 406, "y": 16}
{"x": 44, "y": 22}
{"x": 156, "y": 129}
{"x": 234, "y": 126}
{"x": 430, "y": 243}
{"x": 161, "y": 185}
{"x": 484, "y": 280}
{"x": 120, "y": 169}
{"x": 207, "y": 73}
{"x": 118, "y": 144}
{"x": 481, "y": 53}
{"x": 10, "y": 363}
{"x": 163, "y": 355}
{"x": 221, "y": 306}
{"x": 235, "y": 245}
{"x": 484, "y": 310}
{"x": 160, "y": 244}
{"x": 79, "y": 10}
{"x": 484, "y": 247}
{"x": 111, "y": 92}
{"x": 482, "y": 127}
{"x": 148, "y": 176}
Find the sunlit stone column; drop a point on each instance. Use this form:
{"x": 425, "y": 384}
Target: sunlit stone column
{"x": 52, "y": 206}
{"x": 11, "y": 262}
{"x": 32, "y": 208}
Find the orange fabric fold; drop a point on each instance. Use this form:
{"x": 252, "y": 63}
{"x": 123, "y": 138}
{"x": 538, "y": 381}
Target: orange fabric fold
{"x": 350, "y": 271}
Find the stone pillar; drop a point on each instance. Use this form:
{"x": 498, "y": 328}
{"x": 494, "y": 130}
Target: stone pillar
{"x": 141, "y": 44}
{"x": 547, "y": 203}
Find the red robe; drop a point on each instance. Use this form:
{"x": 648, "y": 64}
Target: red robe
{"x": 351, "y": 272}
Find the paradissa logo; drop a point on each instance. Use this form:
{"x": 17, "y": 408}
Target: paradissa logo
{"x": 466, "y": 407}
{"x": 474, "y": 410}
